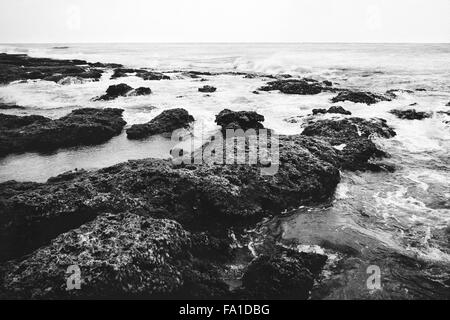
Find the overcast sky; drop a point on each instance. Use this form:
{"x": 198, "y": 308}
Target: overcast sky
{"x": 66, "y": 21}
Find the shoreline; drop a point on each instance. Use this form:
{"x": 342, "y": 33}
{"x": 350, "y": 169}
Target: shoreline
{"x": 164, "y": 229}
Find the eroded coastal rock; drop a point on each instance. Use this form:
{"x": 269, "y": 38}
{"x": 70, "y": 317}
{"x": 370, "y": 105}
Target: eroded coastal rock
{"x": 351, "y": 138}
{"x": 294, "y": 86}
{"x": 115, "y": 91}
{"x": 36, "y": 133}
{"x": 144, "y": 74}
{"x": 201, "y": 197}
{"x": 411, "y": 114}
{"x": 207, "y": 89}
{"x": 359, "y": 97}
{"x": 245, "y": 120}
{"x": 167, "y": 121}
{"x": 287, "y": 276}
{"x": 332, "y": 109}
{"x": 119, "y": 256}
{"x": 8, "y": 106}
{"x": 14, "y": 67}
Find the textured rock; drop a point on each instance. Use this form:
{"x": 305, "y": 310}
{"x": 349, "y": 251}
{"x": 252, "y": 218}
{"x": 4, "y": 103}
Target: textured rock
{"x": 289, "y": 276}
{"x": 411, "y": 114}
{"x": 294, "y": 86}
{"x": 359, "y": 97}
{"x": 333, "y": 109}
{"x": 116, "y": 91}
{"x": 228, "y": 119}
{"x": 207, "y": 89}
{"x": 119, "y": 255}
{"x": 14, "y": 67}
{"x": 8, "y": 106}
{"x": 144, "y": 74}
{"x": 80, "y": 127}
{"x": 141, "y": 91}
{"x": 167, "y": 121}
{"x": 353, "y": 136}
{"x": 202, "y": 197}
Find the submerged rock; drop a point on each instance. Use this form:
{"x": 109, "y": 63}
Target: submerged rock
{"x": 410, "y": 114}
{"x": 332, "y": 109}
{"x": 36, "y": 133}
{"x": 359, "y": 97}
{"x": 119, "y": 256}
{"x": 294, "y": 86}
{"x": 351, "y": 138}
{"x": 289, "y": 276}
{"x": 115, "y": 91}
{"x": 14, "y": 67}
{"x": 141, "y": 91}
{"x": 207, "y": 89}
{"x": 228, "y": 119}
{"x": 144, "y": 74}
{"x": 7, "y": 106}
{"x": 70, "y": 80}
{"x": 167, "y": 121}
{"x": 448, "y": 104}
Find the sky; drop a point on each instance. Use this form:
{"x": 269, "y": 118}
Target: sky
{"x": 79, "y": 21}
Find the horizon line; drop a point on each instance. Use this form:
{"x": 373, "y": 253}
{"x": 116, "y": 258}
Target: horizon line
{"x": 221, "y": 42}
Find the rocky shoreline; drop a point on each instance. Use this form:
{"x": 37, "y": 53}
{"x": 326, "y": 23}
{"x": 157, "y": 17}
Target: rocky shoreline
{"x": 151, "y": 228}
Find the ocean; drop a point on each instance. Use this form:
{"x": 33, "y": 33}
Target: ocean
{"x": 398, "y": 221}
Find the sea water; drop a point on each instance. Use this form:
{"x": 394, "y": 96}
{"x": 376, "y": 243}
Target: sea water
{"x": 397, "y": 221}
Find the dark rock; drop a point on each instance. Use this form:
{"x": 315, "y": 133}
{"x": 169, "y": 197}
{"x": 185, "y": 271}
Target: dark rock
{"x": 80, "y": 127}
{"x": 141, "y": 91}
{"x": 105, "y": 65}
{"x": 167, "y": 121}
{"x": 207, "y": 89}
{"x": 144, "y": 74}
{"x": 293, "y": 86}
{"x": 7, "y": 106}
{"x": 228, "y": 119}
{"x": 421, "y": 89}
{"x": 120, "y": 256}
{"x": 202, "y": 197}
{"x": 151, "y": 75}
{"x": 290, "y": 276}
{"x": 332, "y": 109}
{"x": 116, "y": 91}
{"x": 359, "y": 97}
{"x": 410, "y": 114}
{"x": 14, "y": 67}
{"x": 327, "y": 83}
{"x": 353, "y": 135}
{"x": 448, "y": 104}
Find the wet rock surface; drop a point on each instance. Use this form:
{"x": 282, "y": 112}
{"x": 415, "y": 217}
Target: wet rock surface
{"x": 167, "y": 121}
{"x": 333, "y": 109}
{"x": 119, "y": 256}
{"x": 207, "y": 89}
{"x": 14, "y": 67}
{"x": 351, "y": 138}
{"x": 287, "y": 276}
{"x": 359, "y": 97}
{"x": 115, "y": 91}
{"x": 8, "y": 106}
{"x": 245, "y": 120}
{"x": 411, "y": 114}
{"x": 294, "y": 86}
{"x": 87, "y": 126}
{"x": 144, "y": 74}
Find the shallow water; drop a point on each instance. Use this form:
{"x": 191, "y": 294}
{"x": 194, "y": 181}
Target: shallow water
{"x": 398, "y": 221}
